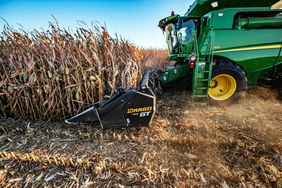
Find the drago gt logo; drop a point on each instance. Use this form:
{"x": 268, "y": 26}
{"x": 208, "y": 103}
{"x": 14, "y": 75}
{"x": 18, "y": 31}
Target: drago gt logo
{"x": 145, "y": 111}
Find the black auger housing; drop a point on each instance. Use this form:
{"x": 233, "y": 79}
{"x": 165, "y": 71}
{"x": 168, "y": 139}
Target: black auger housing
{"x": 127, "y": 108}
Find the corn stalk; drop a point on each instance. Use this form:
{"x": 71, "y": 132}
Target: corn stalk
{"x": 54, "y": 73}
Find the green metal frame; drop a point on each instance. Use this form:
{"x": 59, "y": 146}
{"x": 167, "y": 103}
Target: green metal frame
{"x": 203, "y": 69}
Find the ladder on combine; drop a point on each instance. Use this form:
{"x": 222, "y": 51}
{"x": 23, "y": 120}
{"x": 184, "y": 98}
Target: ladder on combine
{"x": 202, "y": 72}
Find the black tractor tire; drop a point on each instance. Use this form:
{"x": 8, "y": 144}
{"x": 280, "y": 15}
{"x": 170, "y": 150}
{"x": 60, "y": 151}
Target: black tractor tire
{"x": 224, "y": 66}
{"x": 277, "y": 84}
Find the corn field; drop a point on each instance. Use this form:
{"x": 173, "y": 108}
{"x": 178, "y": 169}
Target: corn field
{"x": 51, "y": 74}
{"x": 54, "y": 73}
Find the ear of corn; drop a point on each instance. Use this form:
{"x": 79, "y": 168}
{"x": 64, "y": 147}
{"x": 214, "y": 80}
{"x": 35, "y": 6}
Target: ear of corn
{"x": 50, "y": 74}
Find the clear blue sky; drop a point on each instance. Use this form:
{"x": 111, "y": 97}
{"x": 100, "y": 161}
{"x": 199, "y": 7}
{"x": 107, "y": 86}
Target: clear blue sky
{"x": 135, "y": 20}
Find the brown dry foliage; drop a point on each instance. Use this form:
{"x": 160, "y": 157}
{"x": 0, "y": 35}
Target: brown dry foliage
{"x": 54, "y": 73}
{"x": 186, "y": 146}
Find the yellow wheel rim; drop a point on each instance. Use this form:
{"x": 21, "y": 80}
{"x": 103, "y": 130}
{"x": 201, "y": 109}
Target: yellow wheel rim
{"x": 222, "y": 87}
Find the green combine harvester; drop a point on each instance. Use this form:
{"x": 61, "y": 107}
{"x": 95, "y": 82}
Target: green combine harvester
{"x": 226, "y": 46}
{"x": 220, "y": 46}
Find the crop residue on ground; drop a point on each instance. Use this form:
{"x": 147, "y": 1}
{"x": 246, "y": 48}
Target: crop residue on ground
{"x": 185, "y": 146}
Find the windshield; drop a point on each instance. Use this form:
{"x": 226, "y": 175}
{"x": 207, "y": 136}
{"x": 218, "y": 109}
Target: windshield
{"x": 185, "y": 32}
{"x": 179, "y": 34}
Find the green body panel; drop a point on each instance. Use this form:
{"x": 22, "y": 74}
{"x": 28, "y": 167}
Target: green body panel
{"x": 172, "y": 73}
{"x": 254, "y": 43}
{"x": 255, "y": 50}
{"x": 257, "y": 23}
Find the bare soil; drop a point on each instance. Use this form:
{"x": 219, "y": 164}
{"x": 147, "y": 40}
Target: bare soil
{"x": 235, "y": 145}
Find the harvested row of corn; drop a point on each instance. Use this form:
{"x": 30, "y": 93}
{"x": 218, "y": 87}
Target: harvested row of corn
{"x": 94, "y": 164}
{"x": 50, "y": 74}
